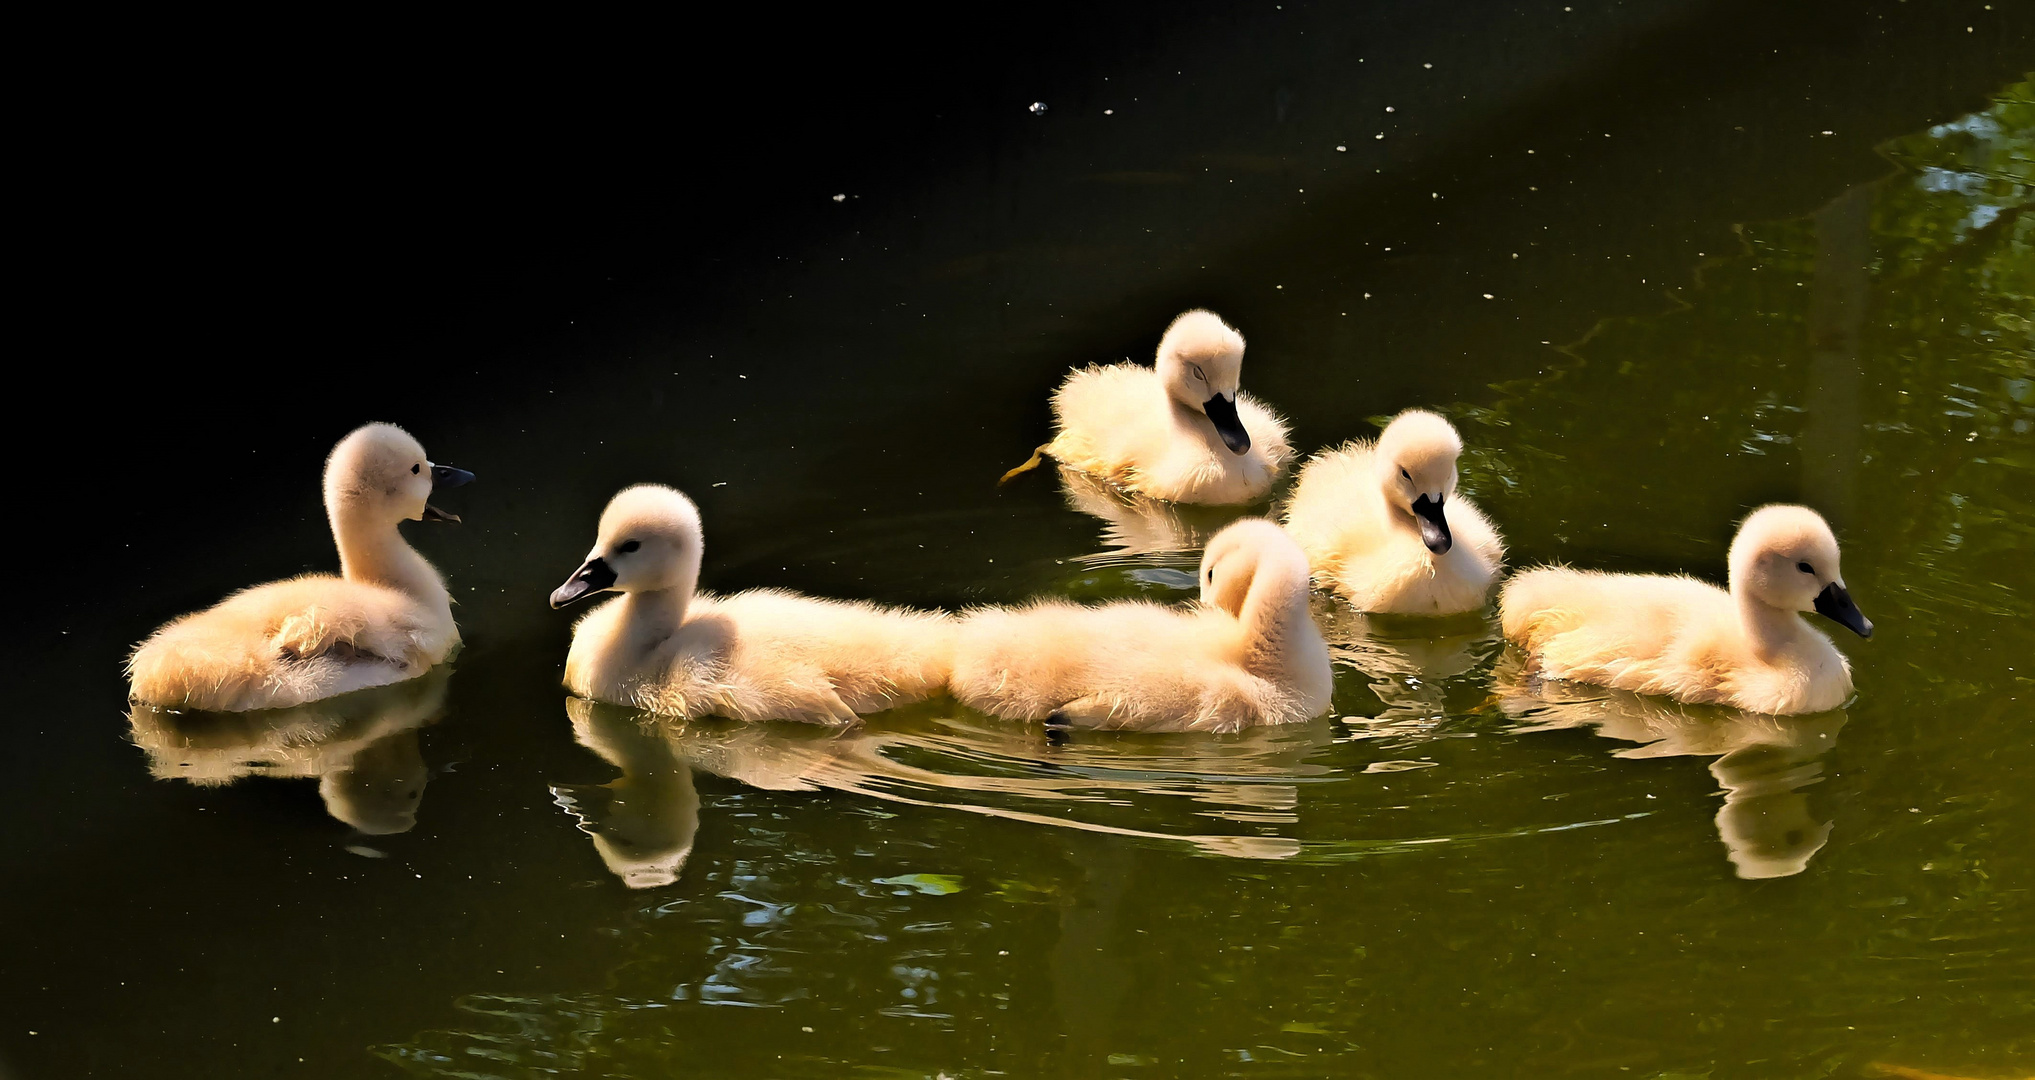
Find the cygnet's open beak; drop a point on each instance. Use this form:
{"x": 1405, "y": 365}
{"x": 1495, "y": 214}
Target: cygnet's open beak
{"x": 442, "y": 477}
{"x": 595, "y": 576}
{"x": 1434, "y": 528}
{"x": 1835, "y": 604}
{"x": 1222, "y": 412}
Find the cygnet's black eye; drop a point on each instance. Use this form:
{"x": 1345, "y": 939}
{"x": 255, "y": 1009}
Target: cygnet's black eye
{"x": 1406, "y": 474}
{"x": 629, "y": 546}
{"x": 1805, "y": 568}
{"x": 1198, "y": 373}
{"x": 415, "y": 469}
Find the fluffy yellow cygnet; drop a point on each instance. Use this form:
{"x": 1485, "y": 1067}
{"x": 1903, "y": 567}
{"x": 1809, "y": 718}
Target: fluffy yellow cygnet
{"x": 1692, "y": 641}
{"x": 385, "y": 618}
{"x": 1382, "y": 524}
{"x": 1248, "y": 654}
{"x": 764, "y": 654}
{"x": 1181, "y": 430}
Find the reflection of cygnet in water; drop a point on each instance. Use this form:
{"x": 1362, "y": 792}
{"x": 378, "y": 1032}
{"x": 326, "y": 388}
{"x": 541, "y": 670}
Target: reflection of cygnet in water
{"x": 642, "y": 823}
{"x": 924, "y": 757}
{"x": 361, "y": 747}
{"x": 1408, "y": 660}
{"x": 1764, "y": 763}
{"x": 1135, "y": 524}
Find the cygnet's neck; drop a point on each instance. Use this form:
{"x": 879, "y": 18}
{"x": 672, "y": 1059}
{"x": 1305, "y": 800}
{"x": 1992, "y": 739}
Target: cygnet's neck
{"x": 1770, "y": 631}
{"x": 1397, "y": 518}
{"x": 374, "y": 552}
{"x": 1190, "y": 420}
{"x": 653, "y": 615}
{"x": 1274, "y": 614}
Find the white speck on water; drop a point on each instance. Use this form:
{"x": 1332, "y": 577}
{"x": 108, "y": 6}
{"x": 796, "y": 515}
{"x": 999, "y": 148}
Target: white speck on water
{"x": 1379, "y": 135}
{"x": 1429, "y": 67}
{"x": 1515, "y": 254}
{"x": 1038, "y": 108}
{"x": 738, "y": 376}
{"x": 1367, "y": 296}
{"x": 723, "y": 483}
{"x": 1109, "y": 112}
{"x": 840, "y": 198}
{"x": 1829, "y": 133}
{"x": 1278, "y": 286}
{"x": 1488, "y": 296}
{"x": 1389, "y": 108}
{"x": 275, "y": 1019}
{"x": 1342, "y": 149}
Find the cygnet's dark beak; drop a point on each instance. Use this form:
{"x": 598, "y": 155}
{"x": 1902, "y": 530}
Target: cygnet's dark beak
{"x": 442, "y": 477}
{"x": 1222, "y": 412}
{"x": 1434, "y": 528}
{"x": 595, "y": 576}
{"x": 1835, "y": 604}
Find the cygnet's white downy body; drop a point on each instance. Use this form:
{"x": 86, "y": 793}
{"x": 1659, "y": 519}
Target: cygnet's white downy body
{"x": 1383, "y": 526}
{"x": 765, "y": 654}
{"x": 1248, "y": 654}
{"x": 385, "y": 618}
{"x": 1748, "y": 648}
{"x": 1180, "y": 430}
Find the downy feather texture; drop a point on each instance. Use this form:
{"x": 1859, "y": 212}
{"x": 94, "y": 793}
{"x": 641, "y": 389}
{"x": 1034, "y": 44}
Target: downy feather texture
{"x": 764, "y": 654}
{"x": 1247, "y": 654}
{"x": 1180, "y": 430}
{"x": 1689, "y": 640}
{"x": 1383, "y": 526}
{"x": 384, "y": 618}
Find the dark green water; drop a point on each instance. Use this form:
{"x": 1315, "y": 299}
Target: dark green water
{"x": 1442, "y": 878}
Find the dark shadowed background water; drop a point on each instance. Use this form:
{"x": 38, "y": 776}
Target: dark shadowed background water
{"x": 1660, "y": 261}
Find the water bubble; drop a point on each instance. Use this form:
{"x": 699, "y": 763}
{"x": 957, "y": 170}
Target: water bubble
{"x": 1038, "y": 108}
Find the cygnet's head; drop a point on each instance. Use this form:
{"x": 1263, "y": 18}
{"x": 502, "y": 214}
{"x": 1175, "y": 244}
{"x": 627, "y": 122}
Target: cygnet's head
{"x": 1786, "y": 556}
{"x": 1201, "y": 360}
{"x": 650, "y": 540}
{"x": 1243, "y": 553}
{"x": 1416, "y": 462}
{"x": 647, "y": 850}
{"x": 379, "y": 790}
{"x": 379, "y": 474}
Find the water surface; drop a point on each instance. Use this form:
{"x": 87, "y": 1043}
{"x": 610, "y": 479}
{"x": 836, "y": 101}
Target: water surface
{"x": 1698, "y": 302}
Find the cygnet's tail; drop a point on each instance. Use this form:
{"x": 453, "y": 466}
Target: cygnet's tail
{"x": 1038, "y": 456}
{"x": 187, "y": 667}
